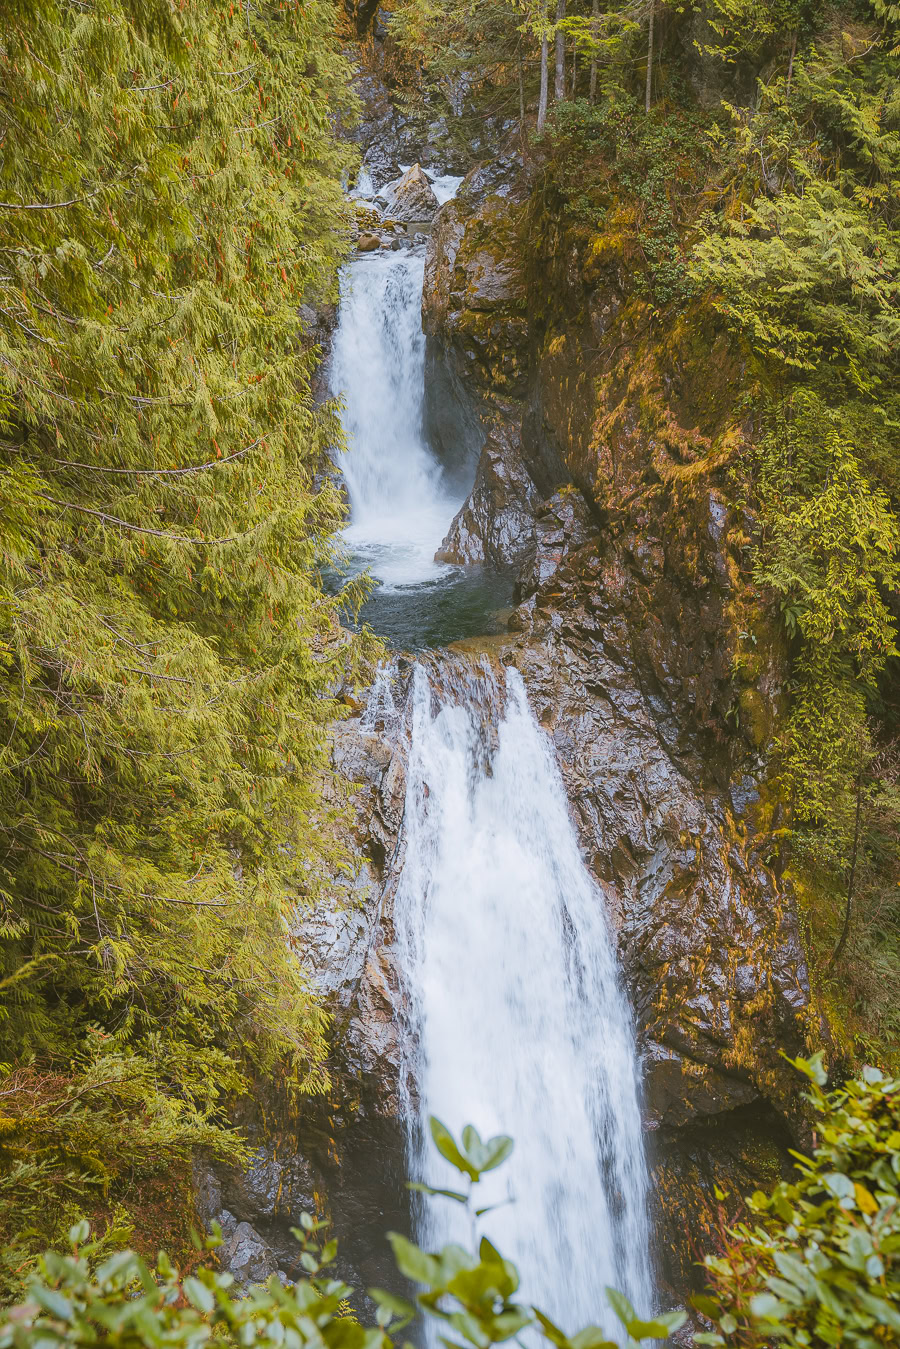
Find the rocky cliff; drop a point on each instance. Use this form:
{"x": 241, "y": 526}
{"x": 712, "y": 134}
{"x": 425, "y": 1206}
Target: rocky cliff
{"x": 606, "y": 439}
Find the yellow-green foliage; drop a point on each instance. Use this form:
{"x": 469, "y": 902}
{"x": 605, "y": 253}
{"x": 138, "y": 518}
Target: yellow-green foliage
{"x": 802, "y": 260}
{"x": 169, "y": 194}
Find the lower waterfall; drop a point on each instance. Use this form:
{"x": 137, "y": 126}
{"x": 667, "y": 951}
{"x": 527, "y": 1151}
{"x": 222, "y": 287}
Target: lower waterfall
{"x": 516, "y": 1021}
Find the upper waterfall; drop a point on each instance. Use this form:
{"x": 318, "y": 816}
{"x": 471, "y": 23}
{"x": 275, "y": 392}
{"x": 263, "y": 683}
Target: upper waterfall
{"x": 401, "y": 499}
{"x": 399, "y": 505}
{"x": 516, "y": 1021}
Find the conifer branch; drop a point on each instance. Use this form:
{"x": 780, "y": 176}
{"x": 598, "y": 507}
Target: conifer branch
{"x": 143, "y": 529}
{"x": 42, "y": 205}
{"x": 161, "y": 472}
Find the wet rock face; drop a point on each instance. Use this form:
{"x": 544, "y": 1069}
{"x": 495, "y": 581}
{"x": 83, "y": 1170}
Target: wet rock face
{"x": 708, "y": 943}
{"x": 496, "y": 523}
{"x": 347, "y": 940}
{"x": 630, "y": 597}
{"x": 410, "y": 199}
{"x": 474, "y": 298}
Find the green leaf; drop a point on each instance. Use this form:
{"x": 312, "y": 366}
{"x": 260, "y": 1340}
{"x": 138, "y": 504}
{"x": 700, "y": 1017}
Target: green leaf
{"x": 198, "y": 1294}
{"x": 415, "y": 1263}
{"x": 767, "y": 1307}
{"x": 394, "y": 1305}
{"x": 552, "y": 1332}
{"x": 422, "y": 1188}
{"x": 621, "y": 1306}
{"x": 79, "y": 1232}
{"x": 658, "y": 1328}
{"x": 117, "y": 1265}
{"x": 813, "y": 1067}
{"x": 496, "y": 1151}
{"x": 52, "y": 1302}
{"x": 591, "y": 1337}
{"x": 489, "y": 1253}
{"x": 446, "y": 1146}
{"x": 839, "y": 1185}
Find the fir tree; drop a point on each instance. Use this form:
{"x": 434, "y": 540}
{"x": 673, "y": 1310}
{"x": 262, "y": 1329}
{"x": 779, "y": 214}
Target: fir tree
{"x": 169, "y": 195}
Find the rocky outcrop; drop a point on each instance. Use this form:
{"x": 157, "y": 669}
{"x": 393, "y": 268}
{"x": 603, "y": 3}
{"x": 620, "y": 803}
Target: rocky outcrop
{"x": 409, "y": 200}
{"x": 708, "y": 942}
{"x": 474, "y": 300}
{"x": 347, "y": 939}
{"x": 247, "y": 1256}
{"x": 382, "y": 133}
{"x": 244, "y": 1252}
{"x": 496, "y": 523}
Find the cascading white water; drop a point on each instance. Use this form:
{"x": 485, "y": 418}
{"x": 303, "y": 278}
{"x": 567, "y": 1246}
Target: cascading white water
{"x": 515, "y": 1018}
{"x": 399, "y": 505}
{"x": 517, "y": 1022}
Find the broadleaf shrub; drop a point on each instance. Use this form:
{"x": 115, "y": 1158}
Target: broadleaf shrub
{"x": 821, "y": 1264}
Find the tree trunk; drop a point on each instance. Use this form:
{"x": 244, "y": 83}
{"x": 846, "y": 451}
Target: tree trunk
{"x": 595, "y": 11}
{"x": 542, "y": 103}
{"x": 851, "y": 881}
{"x": 559, "y": 83}
{"x": 521, "y": 99}
{"x": 649, "y": 57}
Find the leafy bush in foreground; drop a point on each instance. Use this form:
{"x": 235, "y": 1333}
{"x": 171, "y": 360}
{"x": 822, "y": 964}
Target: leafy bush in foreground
{"x": 125, "y": 1303}
{"x": 821, "y": 1266}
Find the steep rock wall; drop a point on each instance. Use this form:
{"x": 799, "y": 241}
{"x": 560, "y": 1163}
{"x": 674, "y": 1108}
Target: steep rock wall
{"x": 631, "y": 639}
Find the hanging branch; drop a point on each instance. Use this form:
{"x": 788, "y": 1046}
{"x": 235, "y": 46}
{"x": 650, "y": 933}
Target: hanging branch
{"x": 649, "y": 58}
{"x": 851, "y": 880}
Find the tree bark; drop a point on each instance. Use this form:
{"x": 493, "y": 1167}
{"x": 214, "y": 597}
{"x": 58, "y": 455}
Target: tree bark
{"x": 559, "y": 84}
{"x": 542, "y": 103}
{"x": 649, "y": 58}
{"x": 851, "y": 880}
{"x": 595, "y": 12}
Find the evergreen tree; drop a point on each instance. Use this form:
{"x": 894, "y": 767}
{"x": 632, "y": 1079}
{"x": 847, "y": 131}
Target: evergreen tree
{"x": 169, "y": 195}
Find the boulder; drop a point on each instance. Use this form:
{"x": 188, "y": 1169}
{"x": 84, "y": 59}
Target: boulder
{"x": 271, "y": 1187}
{"x": 247, "y": 1256}
{"x": 409, "y": 199}
{"x": 367, "y": 243}
{"x": 561, "y": 525}
{"x": 496, "y": 523}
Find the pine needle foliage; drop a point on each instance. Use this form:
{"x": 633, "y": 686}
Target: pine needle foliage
{"x": 169, "y": 196}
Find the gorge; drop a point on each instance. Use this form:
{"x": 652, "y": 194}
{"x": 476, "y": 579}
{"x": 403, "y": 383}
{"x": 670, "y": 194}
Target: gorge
{"x": 543, "y": 833}
{"x": 449, "y": 597}
{"x": 508, "y": 1001}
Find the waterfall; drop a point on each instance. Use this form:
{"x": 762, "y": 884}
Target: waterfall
{"x": 399, "y": 505}
{"x": 516, "y": 1019}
